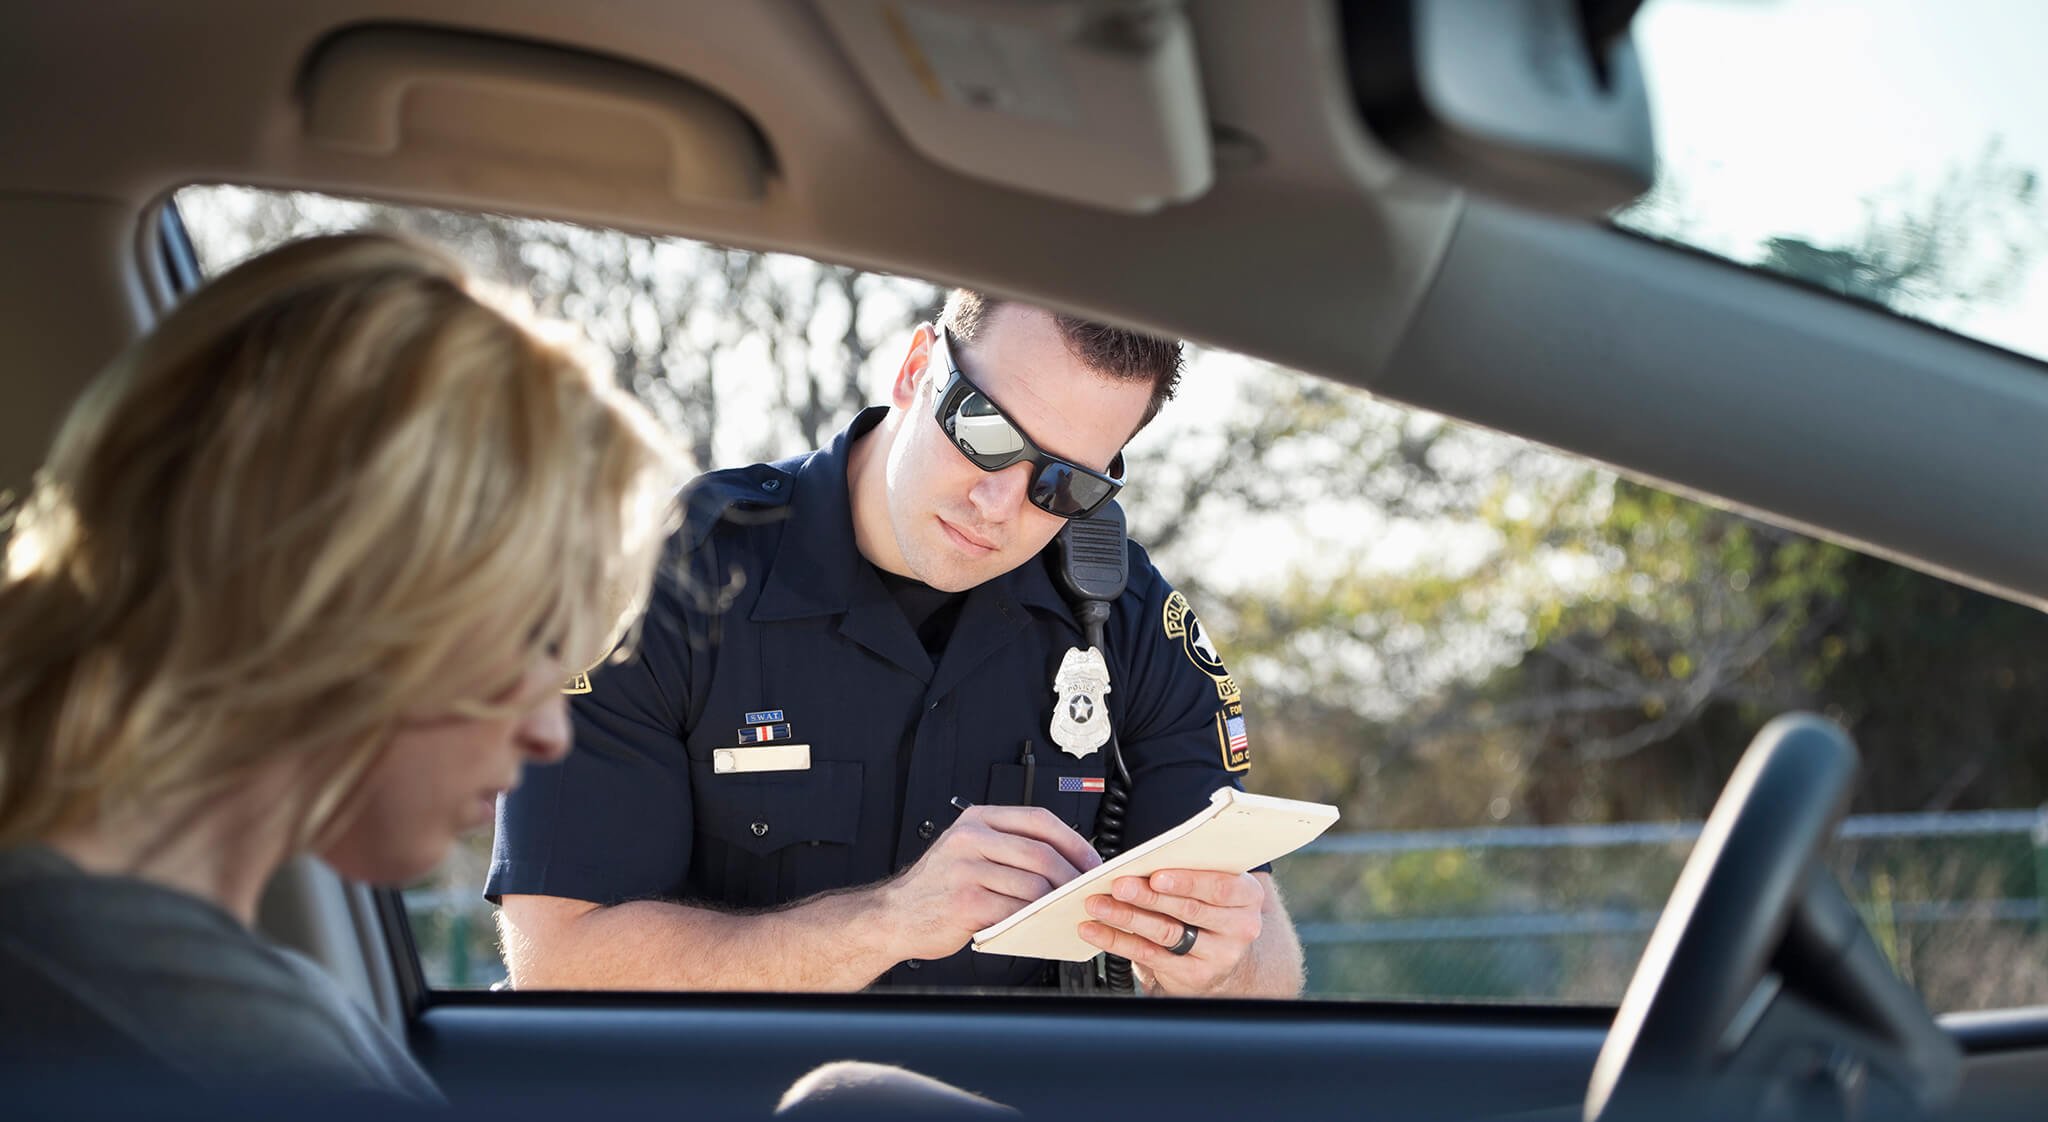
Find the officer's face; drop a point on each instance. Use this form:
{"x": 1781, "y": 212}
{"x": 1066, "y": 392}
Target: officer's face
{"x": 958, "y": 526}
{"x": 442, "y": 772}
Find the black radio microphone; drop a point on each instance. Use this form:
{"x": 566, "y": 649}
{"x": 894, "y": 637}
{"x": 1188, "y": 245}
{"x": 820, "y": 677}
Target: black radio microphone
{"x": 1094, "y": 567}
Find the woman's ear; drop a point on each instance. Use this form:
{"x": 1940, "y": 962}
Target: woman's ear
{"x": 903, "y": 390}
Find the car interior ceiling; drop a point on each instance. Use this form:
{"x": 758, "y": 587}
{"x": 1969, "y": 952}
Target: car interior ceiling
{"x": 1314, "y": 247}
{"x": 1376, "y": 277}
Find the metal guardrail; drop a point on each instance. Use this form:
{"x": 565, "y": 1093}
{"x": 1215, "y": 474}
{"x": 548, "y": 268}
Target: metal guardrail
{"x": 467, "y": 907}
{"x": 444, "y": 900}
{"x": 1537, "y": 925}
{"x": 2029, "y": 822}
{"x": 2031, "y": 825}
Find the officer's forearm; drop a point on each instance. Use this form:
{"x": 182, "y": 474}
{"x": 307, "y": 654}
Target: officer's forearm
{"x": 827, "y": 943}
{"x": 1274, "y": 967}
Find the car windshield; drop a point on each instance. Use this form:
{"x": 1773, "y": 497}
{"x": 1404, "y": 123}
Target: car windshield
{"x": 1522, "y": 678}
{"x": 1889, "y": 151}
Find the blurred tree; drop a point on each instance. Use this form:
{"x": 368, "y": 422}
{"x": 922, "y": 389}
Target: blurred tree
{"x": 1640, "y": 638}
{"x": 1966, "y": 242}
{"x": 670, "y": 315}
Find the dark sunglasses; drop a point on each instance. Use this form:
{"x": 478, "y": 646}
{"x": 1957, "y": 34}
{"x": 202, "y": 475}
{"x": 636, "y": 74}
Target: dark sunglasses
{"x": 991, "y": 441}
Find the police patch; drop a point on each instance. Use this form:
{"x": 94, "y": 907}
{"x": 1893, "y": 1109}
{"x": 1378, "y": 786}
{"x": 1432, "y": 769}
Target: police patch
{"x": 1231, "y": 738}
{"x": 1181, "y": 626}
{"x": 580, "y": 683}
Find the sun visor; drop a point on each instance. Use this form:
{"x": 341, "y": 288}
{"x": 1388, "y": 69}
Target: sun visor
{"x": 528, "y": 124}
{"x": 1092, "y": 101}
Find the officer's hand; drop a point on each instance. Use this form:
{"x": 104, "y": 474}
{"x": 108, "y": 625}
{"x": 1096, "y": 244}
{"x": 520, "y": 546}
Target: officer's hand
{"x": 991, "y": 862}
{"x": 1147, "y": 915}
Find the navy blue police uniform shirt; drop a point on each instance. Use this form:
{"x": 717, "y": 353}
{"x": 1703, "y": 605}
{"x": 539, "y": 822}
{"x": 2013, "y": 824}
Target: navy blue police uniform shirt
{"x": 767, "y": 615}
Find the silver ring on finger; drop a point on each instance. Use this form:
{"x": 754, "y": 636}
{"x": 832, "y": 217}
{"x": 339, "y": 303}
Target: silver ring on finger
{"x": 1188, "y": 932}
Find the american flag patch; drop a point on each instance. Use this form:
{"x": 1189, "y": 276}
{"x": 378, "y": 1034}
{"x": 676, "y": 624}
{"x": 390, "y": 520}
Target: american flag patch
{"x": 1230, "y": 737}
{"x": 1075, "y": 785}
{"x": 761, "y": 734}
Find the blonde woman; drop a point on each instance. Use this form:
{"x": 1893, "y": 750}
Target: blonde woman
{"x": 303, "y": 574}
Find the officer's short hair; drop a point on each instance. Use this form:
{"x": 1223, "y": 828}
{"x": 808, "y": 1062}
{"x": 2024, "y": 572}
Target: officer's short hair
{"x": 272, "y": 526}
{"x": 1114, "y": 352}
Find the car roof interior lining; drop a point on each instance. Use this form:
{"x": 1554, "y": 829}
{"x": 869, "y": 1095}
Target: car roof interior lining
{"x": 1835, "y": 418}
{"x": 1312, "y": 248}
{"x": 846, "y": 187}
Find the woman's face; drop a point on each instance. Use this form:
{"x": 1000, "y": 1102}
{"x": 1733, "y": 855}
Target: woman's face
{"x": 441, "y": 775}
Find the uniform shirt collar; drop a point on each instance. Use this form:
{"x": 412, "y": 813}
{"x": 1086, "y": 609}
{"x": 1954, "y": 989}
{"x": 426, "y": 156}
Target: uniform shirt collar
{"x": 818, "y": 568}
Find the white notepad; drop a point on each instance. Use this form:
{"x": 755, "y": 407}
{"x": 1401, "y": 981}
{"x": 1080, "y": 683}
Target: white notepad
{"x": 1233, "y": 834}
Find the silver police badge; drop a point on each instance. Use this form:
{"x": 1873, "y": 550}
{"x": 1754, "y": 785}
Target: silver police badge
{"x": 1080, "y": 713}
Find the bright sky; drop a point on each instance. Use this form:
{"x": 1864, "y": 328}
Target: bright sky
{"x": 1781, "y": 116}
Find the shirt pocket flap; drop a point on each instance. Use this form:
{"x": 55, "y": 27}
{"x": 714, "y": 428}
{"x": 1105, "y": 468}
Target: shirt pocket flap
{"x": 761, "y": 812}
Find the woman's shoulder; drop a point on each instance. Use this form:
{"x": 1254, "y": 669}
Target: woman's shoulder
{"x": 147, "y": 971}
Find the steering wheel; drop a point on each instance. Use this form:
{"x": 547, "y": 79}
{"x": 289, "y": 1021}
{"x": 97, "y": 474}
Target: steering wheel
{"x": 1759, "y": 968}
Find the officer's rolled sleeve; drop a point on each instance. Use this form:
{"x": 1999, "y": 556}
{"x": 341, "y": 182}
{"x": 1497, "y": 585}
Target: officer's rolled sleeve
{"x": 612, "y": 822}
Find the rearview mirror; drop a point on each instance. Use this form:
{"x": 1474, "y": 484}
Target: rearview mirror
{"x": 1536, "y": 102}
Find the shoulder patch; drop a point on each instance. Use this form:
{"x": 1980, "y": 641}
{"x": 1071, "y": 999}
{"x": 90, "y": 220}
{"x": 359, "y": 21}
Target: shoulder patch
{"x": 1182, "y": 627}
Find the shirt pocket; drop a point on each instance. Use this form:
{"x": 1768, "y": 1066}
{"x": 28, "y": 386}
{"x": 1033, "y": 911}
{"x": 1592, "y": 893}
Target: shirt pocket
{"x": 767, "y": 838}
{"x": 1074, "y": 806}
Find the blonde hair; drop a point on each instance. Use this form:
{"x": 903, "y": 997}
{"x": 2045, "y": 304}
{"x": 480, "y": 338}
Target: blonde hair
{"x": 274, "y": 524}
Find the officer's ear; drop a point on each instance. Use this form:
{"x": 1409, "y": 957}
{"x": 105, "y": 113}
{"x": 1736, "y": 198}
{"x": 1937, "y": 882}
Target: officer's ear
{"x": 903, "y": 390}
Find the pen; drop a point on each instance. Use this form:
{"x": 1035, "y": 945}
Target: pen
{"x": 961, "y": 803}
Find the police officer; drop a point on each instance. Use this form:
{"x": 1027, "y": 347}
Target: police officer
{"x": 854, "y": 643}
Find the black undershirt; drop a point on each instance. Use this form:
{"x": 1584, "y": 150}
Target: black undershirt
{"x": 931, "y": 613}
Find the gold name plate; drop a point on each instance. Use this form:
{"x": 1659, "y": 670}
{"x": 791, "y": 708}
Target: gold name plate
{"x": 766, "y": 757}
